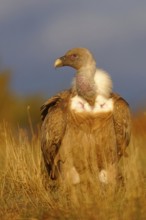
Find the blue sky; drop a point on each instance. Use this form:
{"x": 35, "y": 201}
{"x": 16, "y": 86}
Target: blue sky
{"x": 34, "y": 33}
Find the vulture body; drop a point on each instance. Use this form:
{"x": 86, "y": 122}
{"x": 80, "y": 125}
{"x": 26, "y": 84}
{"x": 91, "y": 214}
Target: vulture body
{"x": 85, "y": 129}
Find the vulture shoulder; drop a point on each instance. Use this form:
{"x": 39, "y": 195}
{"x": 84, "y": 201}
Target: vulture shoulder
{"x": 53, "y": 114}
{"x": 122, "y": 124}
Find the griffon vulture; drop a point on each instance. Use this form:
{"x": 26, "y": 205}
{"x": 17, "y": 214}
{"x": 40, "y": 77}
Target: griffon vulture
{"x": 85, "y": 129}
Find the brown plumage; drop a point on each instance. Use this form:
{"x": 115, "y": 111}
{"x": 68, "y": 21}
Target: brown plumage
{"x": 85, "y": 129}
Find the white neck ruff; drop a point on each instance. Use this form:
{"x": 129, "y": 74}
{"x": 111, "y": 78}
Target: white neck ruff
{"x": 103, "y": 102}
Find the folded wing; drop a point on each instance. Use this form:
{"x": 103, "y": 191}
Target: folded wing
{"x": 122, "y": 123}
{"x": 53, "y": 114}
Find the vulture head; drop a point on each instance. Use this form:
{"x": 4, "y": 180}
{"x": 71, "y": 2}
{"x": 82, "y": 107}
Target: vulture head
{"x": 77, "y": 58}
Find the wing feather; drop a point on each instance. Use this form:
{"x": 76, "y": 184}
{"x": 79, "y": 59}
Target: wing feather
{"x": 53, "y": 114}
{"x": 122, "y": 123}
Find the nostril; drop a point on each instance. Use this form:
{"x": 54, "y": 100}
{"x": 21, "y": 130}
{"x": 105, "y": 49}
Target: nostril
{"x": 63, "y": 58}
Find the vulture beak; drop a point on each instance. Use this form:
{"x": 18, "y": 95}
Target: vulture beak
{"x": 58, "y": 63}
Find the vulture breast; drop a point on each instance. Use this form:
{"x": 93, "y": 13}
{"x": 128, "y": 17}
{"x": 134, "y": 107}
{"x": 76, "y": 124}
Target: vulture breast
{"x": 86, "y": 145}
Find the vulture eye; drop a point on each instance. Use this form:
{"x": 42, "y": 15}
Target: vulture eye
{"x": 73, "y": 56}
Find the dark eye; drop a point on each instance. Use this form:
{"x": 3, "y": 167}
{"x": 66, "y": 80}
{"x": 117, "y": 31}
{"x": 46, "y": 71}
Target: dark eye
{"x": 73, "y": 56}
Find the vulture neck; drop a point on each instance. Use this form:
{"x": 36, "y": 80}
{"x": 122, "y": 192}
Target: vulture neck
{"x": 90, "y": 82}
{"x": 84, "y": 83}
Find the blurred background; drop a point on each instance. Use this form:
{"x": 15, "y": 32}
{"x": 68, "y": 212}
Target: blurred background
{"x": 34, "y": 33}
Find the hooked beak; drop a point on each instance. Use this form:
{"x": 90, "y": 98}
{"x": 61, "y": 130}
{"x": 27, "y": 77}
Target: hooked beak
{"x": 58, "y": 63}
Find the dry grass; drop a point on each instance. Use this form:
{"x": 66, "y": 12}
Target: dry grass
{"x": 26, "y": 193}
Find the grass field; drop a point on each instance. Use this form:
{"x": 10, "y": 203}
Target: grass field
{"x": 26, "y": 193}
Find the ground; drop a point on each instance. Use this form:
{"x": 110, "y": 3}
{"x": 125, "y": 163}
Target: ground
{"x": 26, "y": 192}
